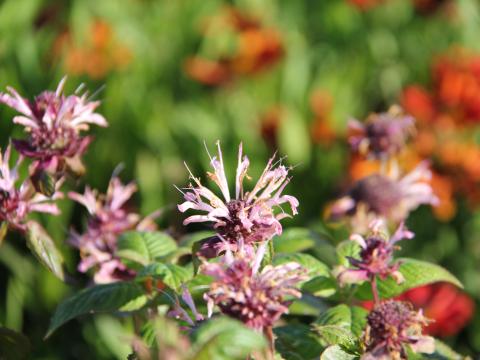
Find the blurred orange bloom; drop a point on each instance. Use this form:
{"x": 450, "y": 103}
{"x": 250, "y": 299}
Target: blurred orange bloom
{"x": 269, "y": 125}
{"x": 100, "y": 54}
{"x": 258, "y": 48}
{"x": 321, "y": 103}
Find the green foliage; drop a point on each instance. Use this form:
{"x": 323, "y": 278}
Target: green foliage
{"x": 44, "y": 248}
{"x": 171, "y": 275}
{"x": 120, "y": 296}
{"x": 223, "y": 339}
{"x": 416, "y": 273}
{"x": 144, "y": 248}
{"x": 297, "y": 342}
{"x": 13, "y": 345}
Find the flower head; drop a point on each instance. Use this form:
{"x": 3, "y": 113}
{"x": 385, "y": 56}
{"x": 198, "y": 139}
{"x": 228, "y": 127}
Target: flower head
{"x": 376, "y": 256}
{"x": 16, "y": 203}
{"x": 54, "y": 123}
{"x": 389, "y": 197}
{"x": 382, "y": 135}
{"x": 257, "y": 298}
{"x": 180, "y": 313}
{"x": 248, "y": 217}
{"x": 391, "y": 326}
{"x": 109, "y": 218}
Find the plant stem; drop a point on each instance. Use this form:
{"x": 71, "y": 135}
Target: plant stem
{"x": 376, "y": 298}
{"x": 271, "y": 342}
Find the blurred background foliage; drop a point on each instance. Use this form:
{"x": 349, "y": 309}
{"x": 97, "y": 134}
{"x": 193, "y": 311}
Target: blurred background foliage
{"x": 173, "y": 75}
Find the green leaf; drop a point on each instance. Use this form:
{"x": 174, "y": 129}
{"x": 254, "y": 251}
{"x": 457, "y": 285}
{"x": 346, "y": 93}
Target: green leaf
{"x": 347, "y": 249}
{"x": 13, "y": 345}
{"x": 145, "y": 247}
{"x": 416, "y": 273}
{"x": 359, "y": 320}
{"x": 340, "y": 325}
{"x": 44, "y": 249}
{"x": 294, "y": 240}
{"x": 297, "y": 342}
{"x": 225, "y": 338}
{"x": 313, "y": 266}
{"x": 335, "y": 352}
{"x": 321, "y": 286}
{"x": 119, "y": 296}
{"x": 172, "y": 275}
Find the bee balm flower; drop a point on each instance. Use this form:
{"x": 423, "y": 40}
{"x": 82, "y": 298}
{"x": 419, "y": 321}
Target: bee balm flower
{"x": 108, "y": 220}
{"x": 54, "y": 123}
{"x": 17, "y": 203}
{"x": 389, "y": 197}
{"x": 382, "y": 135}
{"x": 376, "y": 256}
{"x": 257, "y": 298}
{"x": 391, "y": 326}
{"x": 247, "y": 217}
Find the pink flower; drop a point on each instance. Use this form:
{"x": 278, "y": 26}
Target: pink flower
{"x": 376, "y": 256}
{"x": 257, "y": 298}
{"x": 109, "y": 218}
{"x": 392, "y": 325}
{"x": 382, "y": 135}
{"x": 17, "y": 203}
{"x": 54, "y": 123}
{"x": 389, "y": 197}
{"x": 246, "y": 217}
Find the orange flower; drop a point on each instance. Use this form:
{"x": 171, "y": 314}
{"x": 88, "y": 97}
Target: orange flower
{"x": 321, "y": 104}
{"x": 269, "y": 125}
{"x": 258, "y": 48}
{"x": 97, "y": 56}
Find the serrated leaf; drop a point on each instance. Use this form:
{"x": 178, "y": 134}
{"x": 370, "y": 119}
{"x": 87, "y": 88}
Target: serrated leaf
{"x": 359, "y": 320}
{"x": 44, "y": 248}
{"x": 415, "y": 272}
{"x": 297, "y": 342}
{"x": 13, "y": 345}
{"x": 294, "y": 240}
{"x": 145, "y": 247}
{"x": 334, "y": 326}
{"x": 313, "y": 266}
{"x": 225, "y": 338}
{"x": 345, "y": 250}
{"x": 321, "y": 286}
{"x": 172, "y": 275}
{"x": 335, "y": 352}
{"x": 119, "y": 296}
{"x": 339, "y": 315}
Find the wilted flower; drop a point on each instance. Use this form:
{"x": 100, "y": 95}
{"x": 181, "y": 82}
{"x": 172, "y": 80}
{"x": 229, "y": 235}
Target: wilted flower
{"x": 54, "y": 123}
{"x": 391, "y": 326}
{"x": 376, "y": 256}
{"x": 249, "y": 216}
{"x": 17, "y": 203}
{"x": 258, "y": 299}
{"x": 382, "y": 135}
{"x": 109, "y": 218}
{"x": 179, "y": 313}
{"x": 389, "y": 197}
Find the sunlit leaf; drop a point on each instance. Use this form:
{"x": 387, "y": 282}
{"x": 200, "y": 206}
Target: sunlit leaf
{"x": 171, "y": 275}
{"x": 44, "y": 248}
{"x": 416, "y": 273}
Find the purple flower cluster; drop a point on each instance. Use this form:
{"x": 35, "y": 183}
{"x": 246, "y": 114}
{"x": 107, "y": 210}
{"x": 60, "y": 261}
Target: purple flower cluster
{"x": 391, "y": 326}
{"x": 247, "y": 218}
{"x": 17, "y": 202}
{"x": 257, "y": 298}
{"x": 376, "y": 256}
{"x": 109, "y": 218}
{"x": 54, "y": 123}
{"x": 381, "y": 135}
